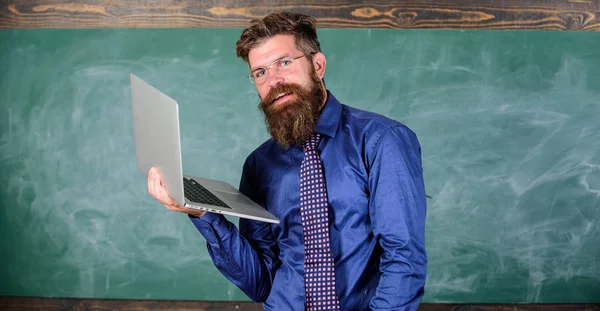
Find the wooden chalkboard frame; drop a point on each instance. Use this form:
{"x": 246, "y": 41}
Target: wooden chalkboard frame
{"x": 444, "y": 14}
{"x": 64, "y": 304}
{"x": 458, "y": 14}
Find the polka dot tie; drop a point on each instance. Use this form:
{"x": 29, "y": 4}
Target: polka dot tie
{"x": 319, "y": 275}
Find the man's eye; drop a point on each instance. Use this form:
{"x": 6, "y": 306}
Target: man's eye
{"x": 259, "y": 73}
{"x": 285, "y": 62}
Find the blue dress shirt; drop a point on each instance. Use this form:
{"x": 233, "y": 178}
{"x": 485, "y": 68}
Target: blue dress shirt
{"x": 374, "y": 179}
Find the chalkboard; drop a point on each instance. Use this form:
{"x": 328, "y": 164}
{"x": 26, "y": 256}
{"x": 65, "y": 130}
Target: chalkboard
{"x": 509, "y": 124}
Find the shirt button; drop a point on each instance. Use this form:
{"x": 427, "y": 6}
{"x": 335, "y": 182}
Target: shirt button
{"x": 216, "y": 222}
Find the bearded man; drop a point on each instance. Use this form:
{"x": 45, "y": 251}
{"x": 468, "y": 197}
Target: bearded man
{"x": 346, "y": 184}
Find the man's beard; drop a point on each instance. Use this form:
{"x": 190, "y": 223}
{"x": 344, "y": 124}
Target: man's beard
{"x": 293, "y": 121}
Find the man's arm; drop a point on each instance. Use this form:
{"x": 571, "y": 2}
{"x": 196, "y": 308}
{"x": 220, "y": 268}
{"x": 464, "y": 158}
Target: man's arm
{"x": 244, "y": 259}
{"x": 398, "y": 210}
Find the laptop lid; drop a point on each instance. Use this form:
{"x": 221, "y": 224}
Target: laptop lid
{"x": 156, "y": 132}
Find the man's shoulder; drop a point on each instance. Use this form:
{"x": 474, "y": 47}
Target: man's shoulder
{"x": 370, "y": 129}
{"x": 268, "y": 147}
{"x": 368, "y": 120}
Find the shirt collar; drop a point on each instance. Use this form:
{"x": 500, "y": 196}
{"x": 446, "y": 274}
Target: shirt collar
{"x": 330, "y": 116}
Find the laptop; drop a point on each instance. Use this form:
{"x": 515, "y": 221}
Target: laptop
{"x": 158, "y": 144}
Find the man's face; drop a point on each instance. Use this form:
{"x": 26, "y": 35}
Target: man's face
{"x": 277, "y": 47}
{"x": 291, "y": 101}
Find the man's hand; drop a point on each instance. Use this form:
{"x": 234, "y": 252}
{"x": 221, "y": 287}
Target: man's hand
{"x": 158, "y": 191}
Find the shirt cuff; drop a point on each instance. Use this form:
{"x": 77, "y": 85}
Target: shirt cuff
{"x": 212, "y": 226}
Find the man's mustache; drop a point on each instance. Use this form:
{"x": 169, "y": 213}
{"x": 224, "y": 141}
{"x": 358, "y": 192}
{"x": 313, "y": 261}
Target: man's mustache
{"x": 287, "y": 88}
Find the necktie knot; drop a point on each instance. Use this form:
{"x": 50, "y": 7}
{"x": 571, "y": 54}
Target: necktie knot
{"x": 312, "y": 142}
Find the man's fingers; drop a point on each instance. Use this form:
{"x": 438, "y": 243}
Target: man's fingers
{"x": 150, "y": 181}
{"x": 159, "y": 192}
{"x": 156, "y": 189}
{"x": 157, "y": 186}
{"x": 152, "y": 178}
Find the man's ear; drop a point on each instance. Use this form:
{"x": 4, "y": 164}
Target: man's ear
{"x": 319, "y": 63}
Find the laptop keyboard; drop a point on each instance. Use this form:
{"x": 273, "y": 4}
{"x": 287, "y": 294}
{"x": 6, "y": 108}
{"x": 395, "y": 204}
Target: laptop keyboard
{"x": 198, "y": 194}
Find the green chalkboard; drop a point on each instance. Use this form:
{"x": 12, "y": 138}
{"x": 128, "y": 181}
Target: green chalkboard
{"x": 509, "y": 124}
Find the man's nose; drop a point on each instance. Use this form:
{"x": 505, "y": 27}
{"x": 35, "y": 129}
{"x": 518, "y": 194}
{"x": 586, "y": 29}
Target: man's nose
{"x": 274, "y": 78}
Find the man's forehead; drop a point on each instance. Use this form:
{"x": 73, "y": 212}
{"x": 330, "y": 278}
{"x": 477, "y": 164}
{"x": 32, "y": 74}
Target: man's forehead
{"x": 271, "y": 49}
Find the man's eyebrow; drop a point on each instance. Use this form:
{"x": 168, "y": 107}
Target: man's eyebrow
{"x": 280, "y": 58}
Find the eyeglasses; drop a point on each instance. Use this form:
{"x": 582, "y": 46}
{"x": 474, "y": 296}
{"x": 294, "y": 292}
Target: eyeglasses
{"x": 280, "y": 66}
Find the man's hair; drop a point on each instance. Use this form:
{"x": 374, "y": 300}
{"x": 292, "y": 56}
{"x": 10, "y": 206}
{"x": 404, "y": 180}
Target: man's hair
{"x": 302, "y": 27}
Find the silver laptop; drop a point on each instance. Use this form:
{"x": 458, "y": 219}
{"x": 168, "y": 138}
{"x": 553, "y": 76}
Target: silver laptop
{"x": 157, "y": 143}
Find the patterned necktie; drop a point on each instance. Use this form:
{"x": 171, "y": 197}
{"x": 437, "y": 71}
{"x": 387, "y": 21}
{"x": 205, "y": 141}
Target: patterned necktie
{"x": 319, "y": 275}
